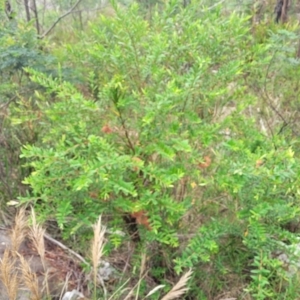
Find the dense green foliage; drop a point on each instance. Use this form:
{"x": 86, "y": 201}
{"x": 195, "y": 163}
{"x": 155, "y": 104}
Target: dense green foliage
{"x": 187, "y": 117}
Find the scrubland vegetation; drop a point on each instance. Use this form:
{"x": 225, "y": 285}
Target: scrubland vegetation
{"x": 179, "y": 125}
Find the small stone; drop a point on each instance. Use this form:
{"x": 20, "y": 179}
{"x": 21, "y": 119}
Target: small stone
{"x": 73, "y": 295}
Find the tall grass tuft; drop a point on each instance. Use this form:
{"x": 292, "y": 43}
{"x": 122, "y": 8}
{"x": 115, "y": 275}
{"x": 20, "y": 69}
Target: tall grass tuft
{"x": 19, "y": 230}
{"x": 97, "y": 247}
{"x": 8, "y": 275}
{"x": 179, "y": 288}
{"x": 30, "y": 279}
{"x": 37, "y": 234}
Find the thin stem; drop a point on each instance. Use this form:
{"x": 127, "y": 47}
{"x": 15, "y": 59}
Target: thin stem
{"x": 59, "y": 18}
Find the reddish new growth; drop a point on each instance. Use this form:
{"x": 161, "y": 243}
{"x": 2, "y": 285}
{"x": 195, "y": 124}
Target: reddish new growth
{"x": 206, "y": 163}
{"x": 106, "y": 129}
{"x": 141, "y": 218}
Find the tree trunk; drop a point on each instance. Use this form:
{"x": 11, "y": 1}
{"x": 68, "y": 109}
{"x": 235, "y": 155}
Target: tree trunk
{"x": 26, "y": 4}
{"x": 281, "y": 11}
{"x": 37, "y": 25}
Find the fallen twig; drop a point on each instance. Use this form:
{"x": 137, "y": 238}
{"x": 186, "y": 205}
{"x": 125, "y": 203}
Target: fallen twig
{"x": 54, "y": 241}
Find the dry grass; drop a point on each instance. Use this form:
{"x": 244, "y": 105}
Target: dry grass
{"x": 16, "y": 273}
{"x": 143, "y": 273}
{"x": 176, "y": 292}
{"x": 9, "y": 276}
{"x": 98, "y": 243}
{"x": 37, "y": 236}
{"x": 18, "y": 233}
{"x": 97, "y": 246}
{"x": 179, "y": 288}
{"x": 14, "y": 268}
{"x": 30, "y": 279}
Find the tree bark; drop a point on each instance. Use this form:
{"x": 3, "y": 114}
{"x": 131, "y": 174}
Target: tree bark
{"x": 37, "y": 25}
{"x": 26, "y": 4}
{"x": 281, "y": 11}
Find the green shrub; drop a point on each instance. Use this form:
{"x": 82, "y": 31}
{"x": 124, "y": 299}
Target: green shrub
{"x": 166, "y": 130}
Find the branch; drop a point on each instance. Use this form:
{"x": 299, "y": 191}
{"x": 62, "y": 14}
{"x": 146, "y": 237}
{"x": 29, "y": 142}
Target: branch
{"x": 213, "y": 6}
{"x": 62, "y": 246}
{"x": 59, "y": 18}
{"x": 269, "y": 101}
{"x": 4, "y": 105}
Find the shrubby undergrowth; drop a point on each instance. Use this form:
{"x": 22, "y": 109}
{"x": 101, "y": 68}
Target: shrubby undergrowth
{"x": 183, "y": 122}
